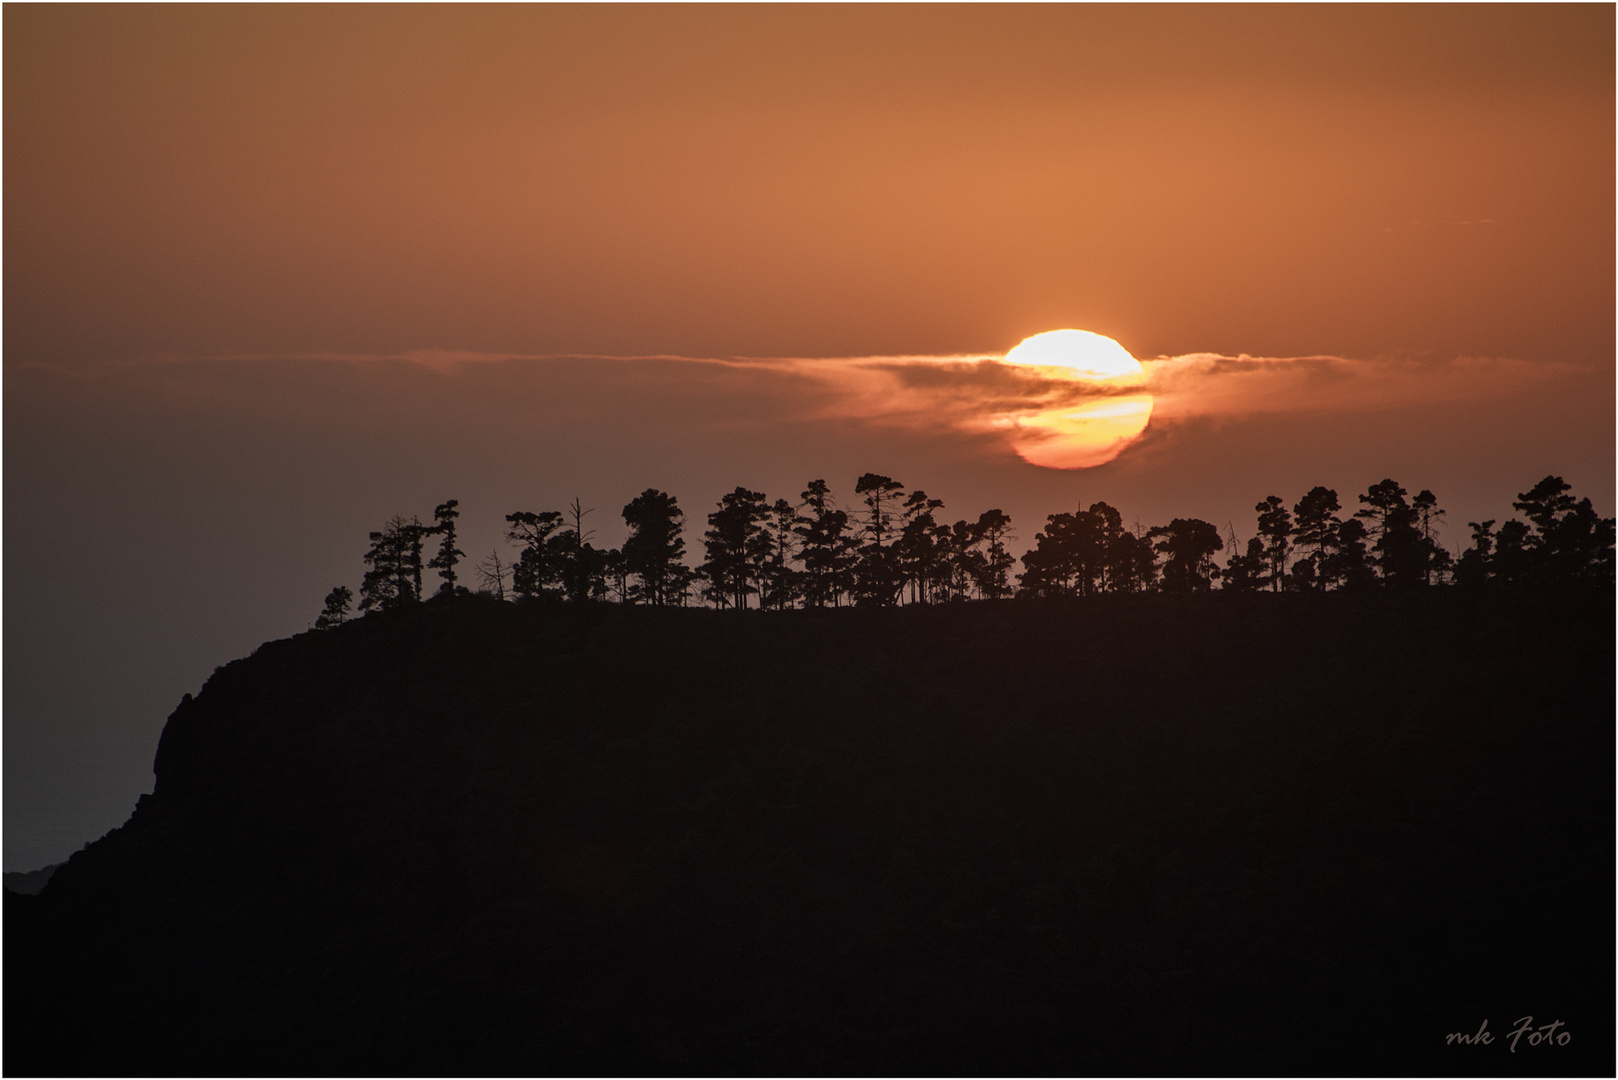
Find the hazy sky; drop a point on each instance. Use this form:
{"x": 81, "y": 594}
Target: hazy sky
{"x": 273, "y": 274}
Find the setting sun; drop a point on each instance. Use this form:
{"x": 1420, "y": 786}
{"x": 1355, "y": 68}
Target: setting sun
{"x": 1095, "y": 432}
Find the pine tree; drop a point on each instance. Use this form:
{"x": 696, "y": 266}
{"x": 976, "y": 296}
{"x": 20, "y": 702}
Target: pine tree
{"x": 616, "y": 572}
{"x": 1084, "y": 553}
{"x": 1131, "y": 563}
{"x": 876, "y": 575}
{"x": 1436, "y": 562}
{"x": 1472, "y": 568}
{"x": 394, "y": 578}
{"x": 1570, "y": 542}
{"x": 1245, "y": 573}
{"x": 1275, "y": 527}
{"x": 737, "y": 546}
{"x": 654, "y": 550}
{"x": 825, "y": 548}
{"x": 1112, "y": 556}
{"x": 336, "y": 610}
{"x": 1513, "y": 559}
{"x": 539, "y": 566}
{"x": 444, "y": 516}
{"x": 1190, "y": 544}
{"x": 1401, "y": 558}
{"x": 1350, "y": 563}
{"x": 1316, "y": 530}
{"x": 1049, "y": 566}
{"x": 780, "y": 583}
{"x": 994, "y": 527}
{"x": 967, "y": 564}
{"x": 916, "y": 549}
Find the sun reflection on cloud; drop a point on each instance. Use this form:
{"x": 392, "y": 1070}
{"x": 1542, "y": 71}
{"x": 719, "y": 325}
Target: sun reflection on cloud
{"x": 1084, "y": 437}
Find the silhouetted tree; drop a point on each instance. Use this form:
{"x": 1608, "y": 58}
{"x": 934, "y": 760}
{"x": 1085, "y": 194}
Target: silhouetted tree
{"x": 394, "y": 577}
{"x": 336, "y": 610}
{"x": 1046, "y": 570}
{"x": 1087, "y": 541}
{"x": 492, "y": 574}
{"x": 418, "y": 533}
{"x": 1085, "y": 552}
{"x": 919, "y": 546}
{"x": 826, "y": 548}
{"x": 993, "y": 527}
{"x": 1544, "y": 504}
{"x": 1436, "y": 561}
{"x": 444, "y": 515}
{"x": 1401, "y": 557}
{"x": 539, "y": 565}
{"x": 877, "y": 577}
{"x": 582, "y": 566}
{"x": 1567, "y": 543}
{"x": 966, "y": 563}
{"x": 1472, "y": 568}
{"x": 1050, "y": 566}
{"x": 897, "y": 541}
{"x": 779, "y": 587}
{"x": 1570, "y": 542}
{"x": 1317, "y": 527}
{"x": 1512, "y": 561}
{"x": 737, "y": 546}
{"x": 1349, "y": 564}
{"x": 593, "y": 572}
{"x": 880, "y": 494}
{"x": 1245, "y": 573}
{"x": 1275, "y": 528}
{"x": 1190, "y": 544}
{"x": 1131, "y": 563}
{"x": 655, "y": 548}
{"x": 1114, "y": 548}
{"x": 616, "y": 572}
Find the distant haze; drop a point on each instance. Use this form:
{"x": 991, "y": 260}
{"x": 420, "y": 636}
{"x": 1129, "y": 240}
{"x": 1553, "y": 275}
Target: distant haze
{"x": 274, "y": 274}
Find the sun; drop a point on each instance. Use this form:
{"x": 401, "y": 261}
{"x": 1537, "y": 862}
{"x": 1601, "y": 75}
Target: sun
{"x": 1088, "y": 355}
{"x": 1094, "y": 432}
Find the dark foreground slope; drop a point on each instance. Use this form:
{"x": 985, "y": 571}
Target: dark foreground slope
{"x": 1297, "y": 834}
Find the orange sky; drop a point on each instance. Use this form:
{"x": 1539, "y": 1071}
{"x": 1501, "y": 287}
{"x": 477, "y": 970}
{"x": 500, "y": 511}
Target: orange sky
{"x": 275, "y": 273}
{"x": 820, "y": 181}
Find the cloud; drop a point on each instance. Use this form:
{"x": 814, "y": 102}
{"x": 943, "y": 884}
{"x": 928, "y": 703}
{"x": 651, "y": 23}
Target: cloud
{"x": 1051, "y": 418}
{"x": 1047, "y": 416}
{"x": 1210, "y": 384}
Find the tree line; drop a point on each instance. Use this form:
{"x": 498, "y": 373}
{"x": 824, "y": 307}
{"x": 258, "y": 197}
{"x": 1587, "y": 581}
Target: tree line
{"x": 889, "y": 546}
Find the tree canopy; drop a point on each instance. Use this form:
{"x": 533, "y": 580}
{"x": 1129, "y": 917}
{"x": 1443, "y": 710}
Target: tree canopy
{"x": 895, "y": 547}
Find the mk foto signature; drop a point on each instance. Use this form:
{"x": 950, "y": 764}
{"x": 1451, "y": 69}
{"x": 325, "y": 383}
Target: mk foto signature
{"x": 1544, "y": 1035}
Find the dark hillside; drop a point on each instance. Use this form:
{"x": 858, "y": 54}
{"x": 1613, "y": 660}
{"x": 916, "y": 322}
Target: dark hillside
{"x": 1219, "y": 834}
